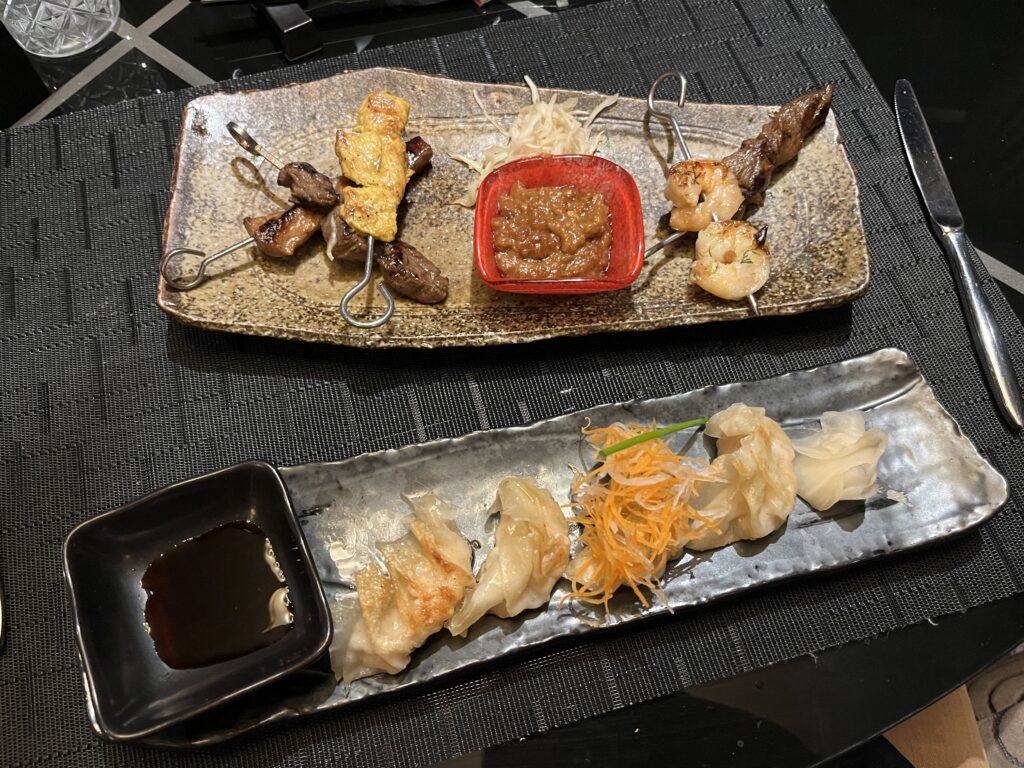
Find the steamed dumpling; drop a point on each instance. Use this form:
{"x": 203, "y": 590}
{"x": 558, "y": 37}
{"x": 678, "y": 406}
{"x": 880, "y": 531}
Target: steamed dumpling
{"x": 428, "y": 572}
{"x": 840, "y": 462}
{"x": 531, "y": 550}
{"x": 754, "y": 488}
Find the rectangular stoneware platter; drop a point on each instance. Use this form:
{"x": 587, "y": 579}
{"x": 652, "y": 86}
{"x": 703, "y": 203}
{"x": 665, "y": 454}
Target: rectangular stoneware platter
{"x": 933, "y": 484}
{"x": 819, "y": 255}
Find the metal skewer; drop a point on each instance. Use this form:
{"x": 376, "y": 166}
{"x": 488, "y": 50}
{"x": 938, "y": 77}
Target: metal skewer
{"x": 684, "y": 150}
{"x": 355, "y": 289}
{"x": 179, "y": 284}
{"x": 663, "y": 244}
{"x": 249, "y": 144}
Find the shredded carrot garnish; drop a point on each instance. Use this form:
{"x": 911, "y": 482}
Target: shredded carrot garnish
{"x": 634, "y": 512}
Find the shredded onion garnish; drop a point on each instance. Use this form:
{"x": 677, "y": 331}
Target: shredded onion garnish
{"x": 540, "y": 128}
{"x": 635, "y": 514}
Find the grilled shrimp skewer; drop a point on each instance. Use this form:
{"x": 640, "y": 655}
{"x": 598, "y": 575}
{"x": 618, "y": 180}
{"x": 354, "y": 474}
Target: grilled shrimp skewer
{"x": 731, "y": 259}
{"x": 705, "y": 196}
{"x": 749, "y": 169}
{"x": 701, "y": 191}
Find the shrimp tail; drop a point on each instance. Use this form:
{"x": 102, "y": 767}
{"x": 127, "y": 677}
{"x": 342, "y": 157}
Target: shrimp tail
{"x": 761, "y": 236}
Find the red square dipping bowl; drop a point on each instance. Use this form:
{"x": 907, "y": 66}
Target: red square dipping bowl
{"x": 594, "y": 174}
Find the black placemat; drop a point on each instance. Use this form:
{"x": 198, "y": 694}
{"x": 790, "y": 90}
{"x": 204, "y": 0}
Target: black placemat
{"x": 104, "y": 398}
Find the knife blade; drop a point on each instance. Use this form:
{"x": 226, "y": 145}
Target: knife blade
{"x": 948, "y": 224}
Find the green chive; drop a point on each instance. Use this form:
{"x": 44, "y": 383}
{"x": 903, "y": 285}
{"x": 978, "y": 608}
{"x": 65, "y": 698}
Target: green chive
{"x": 604, "y": 453}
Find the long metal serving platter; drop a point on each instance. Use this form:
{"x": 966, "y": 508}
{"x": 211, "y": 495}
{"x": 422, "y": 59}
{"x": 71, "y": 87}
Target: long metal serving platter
{"x": 933, "y": 484}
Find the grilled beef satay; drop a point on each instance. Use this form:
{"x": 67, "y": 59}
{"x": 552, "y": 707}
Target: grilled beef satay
{"x": 343, "y": 242}
{"x": 280, "y": 234}
{"x": 402, "y": 266}
{"x": 411, "y": 274}
{"x": 309, "y": 187}
{"x": 778, "y": 142}
{"x": 418, "y": 154}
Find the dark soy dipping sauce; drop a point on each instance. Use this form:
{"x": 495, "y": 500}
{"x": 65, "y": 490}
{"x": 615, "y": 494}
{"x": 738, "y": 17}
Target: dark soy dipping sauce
{"x": 209, "y": 597}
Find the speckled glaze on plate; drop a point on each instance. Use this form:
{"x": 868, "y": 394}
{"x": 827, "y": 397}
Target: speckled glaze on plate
{"x": 933, "y": 482}
{"x": 819, "y": 253}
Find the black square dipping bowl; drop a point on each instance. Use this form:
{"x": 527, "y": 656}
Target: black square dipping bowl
{"x": 132, "y": 692}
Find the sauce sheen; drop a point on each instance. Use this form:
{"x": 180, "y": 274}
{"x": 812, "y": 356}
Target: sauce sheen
{"x": 552, "y": 232}
{"x": 216, "y": 597}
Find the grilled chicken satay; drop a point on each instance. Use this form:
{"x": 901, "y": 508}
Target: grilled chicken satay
{"x": 384, "y": 113}
{"x": 280, "y": 234}
{"x": 374, "y": 158}
{"x": 779, "y": 141}
{"x": 403, "y": 267}
{"x": 312, "y": 189}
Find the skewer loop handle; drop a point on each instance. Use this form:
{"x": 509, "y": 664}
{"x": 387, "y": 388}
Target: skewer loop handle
{"x": 683, "y": 149}
{"x": 177, "y": 282}
{"x": 355, "y": 289}
{"x": 249, "y": 144}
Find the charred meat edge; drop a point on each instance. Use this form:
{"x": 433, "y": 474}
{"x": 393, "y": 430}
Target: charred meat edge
{"x": 402, "y": 266}
{"x": 412, "y": 274}
{"x": 778, "y": 142}
{"x": 280, "y": 234}
{"x": 418, "y": 153}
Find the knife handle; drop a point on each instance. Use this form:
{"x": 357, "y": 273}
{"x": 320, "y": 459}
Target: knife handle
{"x": 988, "y": 341}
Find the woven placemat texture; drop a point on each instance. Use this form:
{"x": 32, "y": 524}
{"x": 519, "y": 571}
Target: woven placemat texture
{"x": 103, "y": 398}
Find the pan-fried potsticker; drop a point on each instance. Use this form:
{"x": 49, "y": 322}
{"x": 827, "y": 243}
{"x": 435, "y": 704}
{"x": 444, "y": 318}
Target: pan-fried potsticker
{"x": 427, "y": 573}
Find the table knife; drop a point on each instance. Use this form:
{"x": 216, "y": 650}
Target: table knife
{"x": 948, "y": 223}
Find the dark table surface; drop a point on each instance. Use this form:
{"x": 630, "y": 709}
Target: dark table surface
{"x": 963, "y": 62}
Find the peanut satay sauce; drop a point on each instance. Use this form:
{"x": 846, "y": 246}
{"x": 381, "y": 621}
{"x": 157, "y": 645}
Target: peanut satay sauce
{"x": 216, "y": 597}
{"x": 552, "y": 232}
